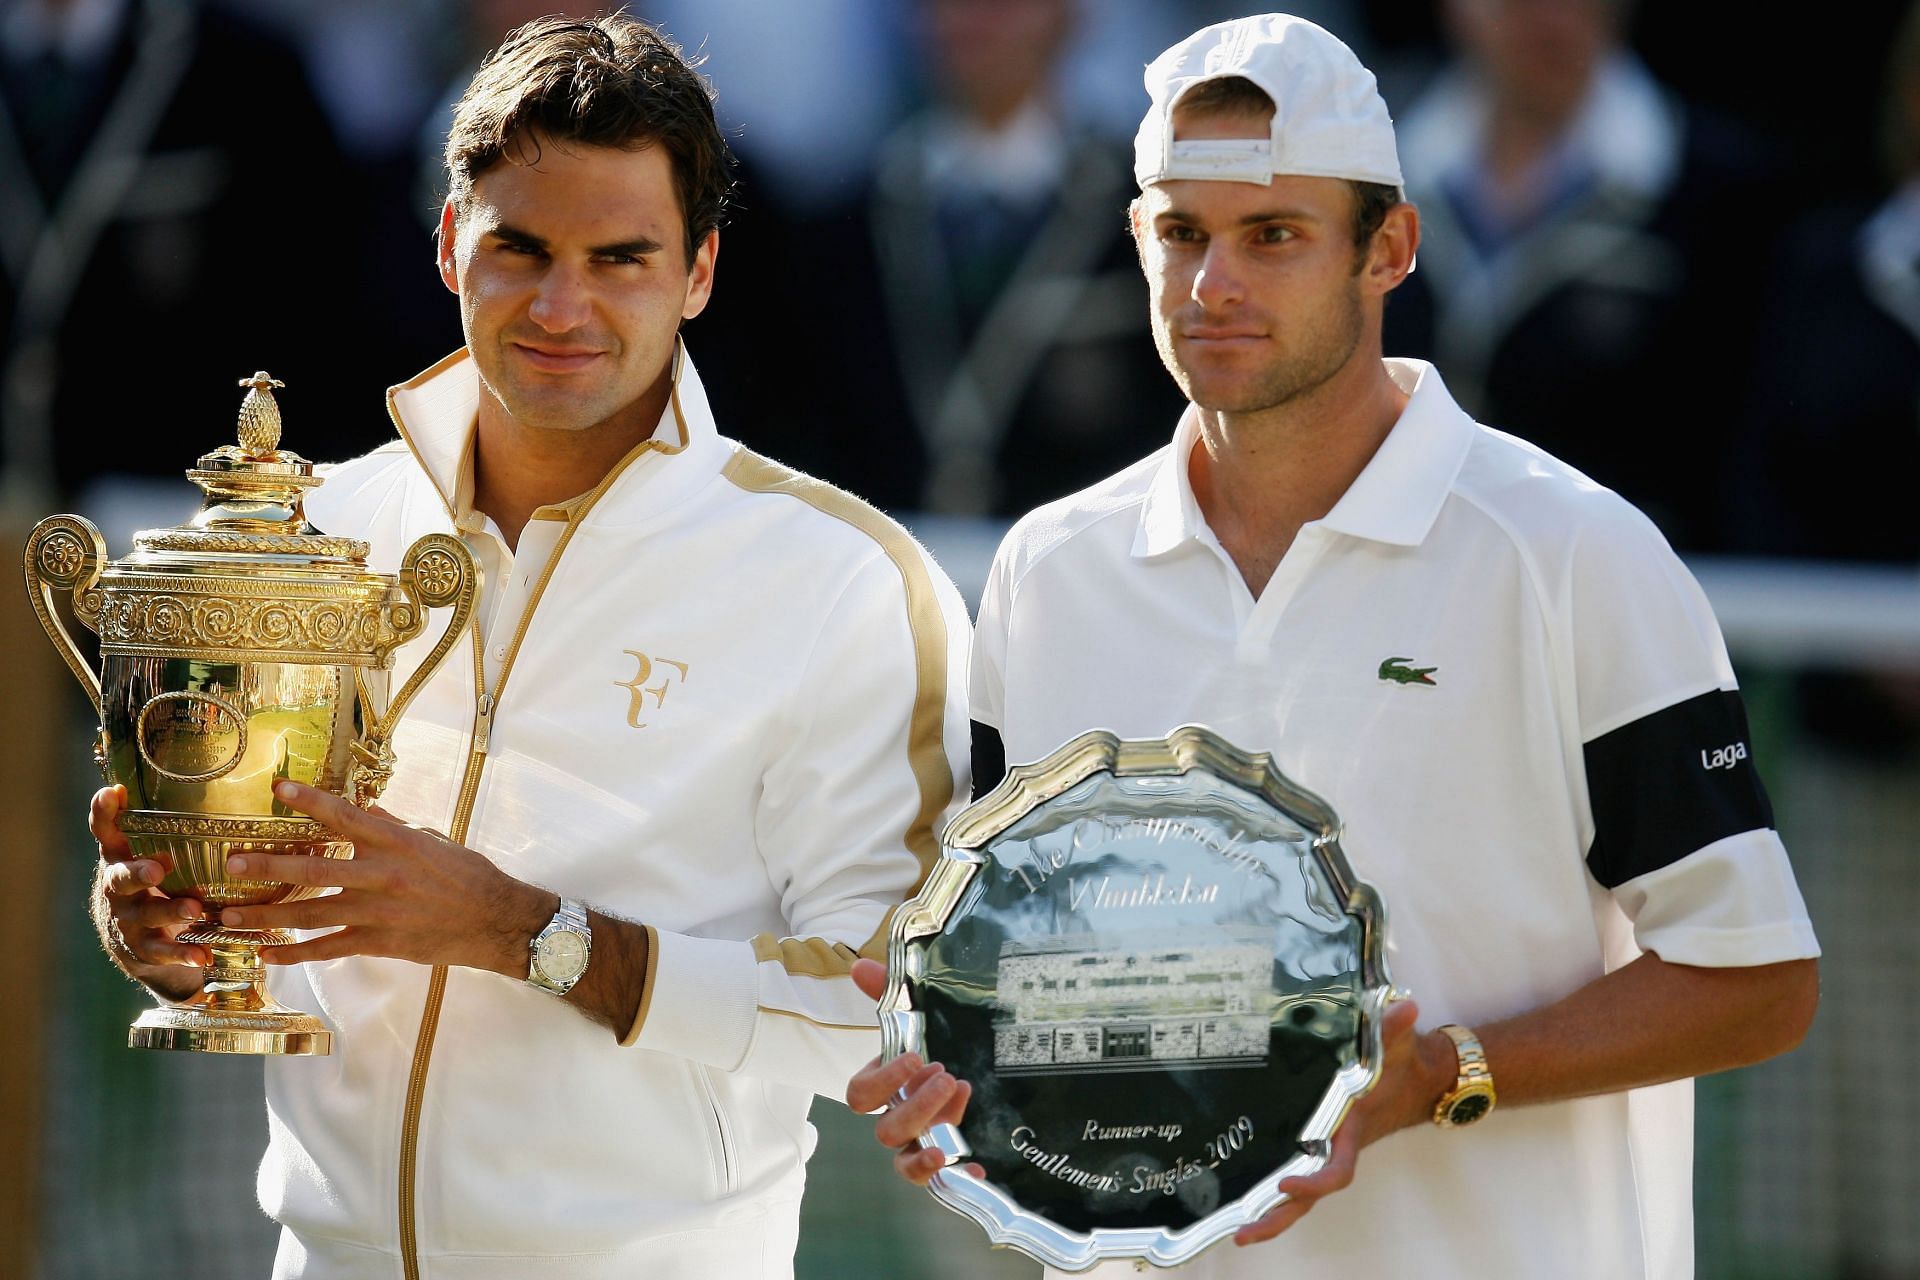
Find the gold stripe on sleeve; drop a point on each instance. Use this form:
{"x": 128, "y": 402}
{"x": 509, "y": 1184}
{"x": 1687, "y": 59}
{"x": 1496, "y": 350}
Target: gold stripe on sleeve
{"x": 809, "y": 957}
{"x": 926, "y": 732}
{"x": 813, "y": 1021}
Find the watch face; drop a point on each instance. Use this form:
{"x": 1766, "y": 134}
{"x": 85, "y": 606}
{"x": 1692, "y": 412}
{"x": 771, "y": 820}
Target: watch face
{"x": 563, "y": 955}
{"x": 1470, "y": 1108}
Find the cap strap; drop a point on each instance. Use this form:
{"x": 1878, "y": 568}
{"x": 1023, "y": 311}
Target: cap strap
{"x": 1221, "y": 160}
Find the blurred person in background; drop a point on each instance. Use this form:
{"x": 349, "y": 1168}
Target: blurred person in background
{"x": 963, "y": 337}
{"x": 158, "y": 158}
{"x": 1592, "y": 270}
{"x": 377, "y": 66}
{"x": 1834, "y": 408}
{"x": 1827, "y": 476}
{"x": 771, "y": 64}
{"x": 477, "y": 28}
{"x": 1836, "y": 402}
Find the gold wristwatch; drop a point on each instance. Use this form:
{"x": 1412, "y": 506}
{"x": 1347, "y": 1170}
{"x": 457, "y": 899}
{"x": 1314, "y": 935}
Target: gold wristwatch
{"x": 1472, "y": 1094}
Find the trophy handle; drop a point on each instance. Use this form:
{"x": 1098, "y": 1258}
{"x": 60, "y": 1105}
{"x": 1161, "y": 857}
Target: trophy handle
{"x": 67, "y": 553}
{"x": 437, "y": 571}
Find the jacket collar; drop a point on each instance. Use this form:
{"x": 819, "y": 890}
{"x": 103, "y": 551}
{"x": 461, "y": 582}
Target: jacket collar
{"x": 1395, "y": 498}
{"x": 437, "y": 412}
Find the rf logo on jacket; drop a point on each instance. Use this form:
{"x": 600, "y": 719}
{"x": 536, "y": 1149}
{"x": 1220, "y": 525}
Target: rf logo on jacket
{"x": 637, "y": 688}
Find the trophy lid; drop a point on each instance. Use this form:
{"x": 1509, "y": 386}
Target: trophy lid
{"x": 254, "y": 495}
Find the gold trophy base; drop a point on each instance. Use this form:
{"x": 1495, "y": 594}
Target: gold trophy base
{"x": 232, "y": 1012}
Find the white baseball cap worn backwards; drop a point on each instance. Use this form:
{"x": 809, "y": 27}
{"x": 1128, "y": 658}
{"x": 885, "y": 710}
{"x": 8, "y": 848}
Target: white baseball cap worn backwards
{"x": 1328, "y": 121}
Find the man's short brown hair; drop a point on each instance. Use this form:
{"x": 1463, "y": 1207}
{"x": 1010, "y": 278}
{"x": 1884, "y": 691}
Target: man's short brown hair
{"x": 1237, "y": 95}
{"x": 612, "y": 82}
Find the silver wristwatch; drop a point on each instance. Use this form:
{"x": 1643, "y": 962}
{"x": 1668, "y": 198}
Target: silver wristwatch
{"x": 557, "y": 956}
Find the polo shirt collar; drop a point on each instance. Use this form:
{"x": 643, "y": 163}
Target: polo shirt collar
{"x": 1395, "y": 498}
{"x": 437, "y": 414}
{"x": 1398, "y": 495}
{"x": 1170, "y": 517}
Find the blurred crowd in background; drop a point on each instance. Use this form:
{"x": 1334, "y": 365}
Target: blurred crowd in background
{"x": 1677, "y": 245}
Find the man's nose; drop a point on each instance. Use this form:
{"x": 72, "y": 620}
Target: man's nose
{"x": 1218, "y": 282}
{"x": 561, "y": 303}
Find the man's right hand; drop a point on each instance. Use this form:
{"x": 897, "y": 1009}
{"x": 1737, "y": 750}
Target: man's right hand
{"x": 932, "y": 1097}
{"x": 138, "y": 925}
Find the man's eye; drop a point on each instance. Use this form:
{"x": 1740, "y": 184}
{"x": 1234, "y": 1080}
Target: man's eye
{"x": 1180, "y": 233}
{"x": 1275, "y": 235}
{"x": 623, "y": 259}
{"x": 524, "y": 250}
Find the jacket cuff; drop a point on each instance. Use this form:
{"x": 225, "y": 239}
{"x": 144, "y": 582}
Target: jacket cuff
{"x": 701, "y": 999}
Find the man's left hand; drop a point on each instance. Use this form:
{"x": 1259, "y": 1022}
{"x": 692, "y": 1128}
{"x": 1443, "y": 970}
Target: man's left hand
{"x": 407, "y": 893}
{"x": 1416, "y": 1069}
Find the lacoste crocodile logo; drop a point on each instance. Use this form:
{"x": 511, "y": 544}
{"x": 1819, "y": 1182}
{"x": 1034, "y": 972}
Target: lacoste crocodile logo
{"x": 1396, "y": 670}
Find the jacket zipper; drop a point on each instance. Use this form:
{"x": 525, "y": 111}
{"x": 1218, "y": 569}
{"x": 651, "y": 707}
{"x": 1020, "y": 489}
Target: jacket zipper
{"x": 485, "y": 704}
{"x": 437, "y": 983}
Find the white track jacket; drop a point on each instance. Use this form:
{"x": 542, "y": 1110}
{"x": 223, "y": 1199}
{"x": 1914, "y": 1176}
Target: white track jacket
{"x": 735, "y": 712}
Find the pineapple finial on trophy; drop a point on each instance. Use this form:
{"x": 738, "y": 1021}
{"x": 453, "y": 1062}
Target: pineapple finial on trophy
{"x": 260, "y": 415}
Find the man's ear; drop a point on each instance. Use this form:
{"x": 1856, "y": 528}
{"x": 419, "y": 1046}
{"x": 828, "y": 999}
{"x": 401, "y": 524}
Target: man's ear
{"x": 449, "y": 226}
{"x": 1137, "y": 224}
{"x": 700, "y": 275}
{"x": 1390, "y": 256}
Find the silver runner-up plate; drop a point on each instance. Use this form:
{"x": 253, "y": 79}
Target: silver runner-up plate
{"x": 1153, "y": 963}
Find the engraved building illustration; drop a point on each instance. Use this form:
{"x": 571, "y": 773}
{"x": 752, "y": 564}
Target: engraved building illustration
{"x": 1065, "y": 1003}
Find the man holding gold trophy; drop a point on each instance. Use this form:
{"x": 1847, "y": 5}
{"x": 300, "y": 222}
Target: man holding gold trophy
{"x": 1497, "y": 672}
{"x": 587, "y": 969}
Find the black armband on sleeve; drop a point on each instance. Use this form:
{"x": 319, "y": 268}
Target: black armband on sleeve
{"x": 1669, "y": 783}
{"x": 989, "y": 759}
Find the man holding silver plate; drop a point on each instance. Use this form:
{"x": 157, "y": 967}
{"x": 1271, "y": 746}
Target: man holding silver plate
{"x": 1495, "y": 671}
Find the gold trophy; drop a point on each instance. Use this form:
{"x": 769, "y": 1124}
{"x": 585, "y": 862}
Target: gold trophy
{"x": 236, "y": 650}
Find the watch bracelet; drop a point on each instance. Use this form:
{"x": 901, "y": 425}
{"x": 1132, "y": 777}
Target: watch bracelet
{"x": 1473, "y": 1075}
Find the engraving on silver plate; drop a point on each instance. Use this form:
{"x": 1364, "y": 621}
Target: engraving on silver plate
{"x": 1134, "y": 937}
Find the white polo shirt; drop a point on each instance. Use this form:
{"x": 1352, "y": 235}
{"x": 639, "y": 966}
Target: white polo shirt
{"x": 1518, "y": 700}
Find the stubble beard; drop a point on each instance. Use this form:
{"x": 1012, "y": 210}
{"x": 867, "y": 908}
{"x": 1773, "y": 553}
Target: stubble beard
{"x": 550, "y": 407}
{"x": 1323, "y": 346}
